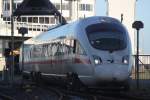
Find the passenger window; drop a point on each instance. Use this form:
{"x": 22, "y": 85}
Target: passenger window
{"x": 79, "y": 49}
{"x": 59, "y": 50}
{"x": 54, "y": 49}
{"x": 49, "y": 50}
{"x": 45, "y": 50}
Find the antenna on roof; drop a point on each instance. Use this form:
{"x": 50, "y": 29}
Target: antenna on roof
{"x": 121, "y": 18}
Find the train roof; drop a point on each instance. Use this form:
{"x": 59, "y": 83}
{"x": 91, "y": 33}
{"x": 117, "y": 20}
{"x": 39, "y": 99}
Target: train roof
{"x": 59, "y": 31}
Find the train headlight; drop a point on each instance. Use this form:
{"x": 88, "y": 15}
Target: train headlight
{"x": 125, "y": 60}
{"x": 97, "y": 60}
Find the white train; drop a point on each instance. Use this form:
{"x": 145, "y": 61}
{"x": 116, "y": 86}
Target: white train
{"x": 95, "y": 49}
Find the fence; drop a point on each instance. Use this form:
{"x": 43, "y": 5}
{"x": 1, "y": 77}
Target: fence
{"x": 144, "y": 67}
{"x": 143, "y": 81}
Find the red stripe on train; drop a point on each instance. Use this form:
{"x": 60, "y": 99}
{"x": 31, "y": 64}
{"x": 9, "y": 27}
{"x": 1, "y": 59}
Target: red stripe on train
{"x": 82, "y": 61}
{"x": 75, "y": 60}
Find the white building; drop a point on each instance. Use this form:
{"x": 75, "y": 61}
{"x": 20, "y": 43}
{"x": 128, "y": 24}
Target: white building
{"x": 72, "y": 10}
{"x": 126, "y": 8}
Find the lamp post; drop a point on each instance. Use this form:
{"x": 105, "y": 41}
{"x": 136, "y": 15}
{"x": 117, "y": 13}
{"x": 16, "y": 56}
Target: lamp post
{"x": 137, "y": 25}
{"x": 22, "y": 31}
{"x": 12, "y": 41}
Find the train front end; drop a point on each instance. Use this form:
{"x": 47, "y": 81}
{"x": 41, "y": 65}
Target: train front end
{"x": 110, "y": 51}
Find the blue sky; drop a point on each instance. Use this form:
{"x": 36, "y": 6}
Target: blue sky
{"x": 142, "y": 14}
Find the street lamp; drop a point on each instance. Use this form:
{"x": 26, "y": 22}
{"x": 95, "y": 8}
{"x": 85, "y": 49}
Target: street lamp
{"x": 137, "y": 25}
{"x": 22, "y": 31}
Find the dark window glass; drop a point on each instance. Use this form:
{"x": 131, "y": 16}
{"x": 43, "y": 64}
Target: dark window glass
{"x": 8, "y": 18}
{"x": 24, "y": 19}
{"x": 57, "y": 6}
{"x": 7, "y": 6}
{"x": 30, "y": 19}
{"x": 52, "y": 20}
{"x": 88, "y": 7}
{"x": 41, "y": 20}
{"x": 82, "y": 7}
{"x": 107, "y": 36}
{"x": 35, "y": 19}
{"x": 4, "y": 18}
{"x": 46, "y": 20}
{"x": 85, "y": 7}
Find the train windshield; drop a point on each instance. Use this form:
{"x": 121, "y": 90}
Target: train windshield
{"x": 107, "y": 36}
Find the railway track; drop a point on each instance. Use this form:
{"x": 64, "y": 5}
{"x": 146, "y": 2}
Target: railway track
{"x": 64, "y": 94}
{"x": 33, "y": 91}
{"x": 5, "y": 97}
{"x": 103, "y": 95}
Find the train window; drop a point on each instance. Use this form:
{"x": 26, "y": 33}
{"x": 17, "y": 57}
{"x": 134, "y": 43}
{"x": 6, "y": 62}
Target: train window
{"x": 59, "y": 51}
{"x": 68, "y": 46}
{"x": 79, "y": 49}
{"x": 107, "y": 36}
{"x": 38, "y": 51}
{"x": 44, "y": 50}
{"x": 65, "y": 49}
{"x": 49, "y": 50}
{"x": 54, "y": 49}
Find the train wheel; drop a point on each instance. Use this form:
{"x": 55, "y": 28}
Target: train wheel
{"x": 36, "y": 76}
{"x": 74, "y": 82}
{"x": 32, "y": 74}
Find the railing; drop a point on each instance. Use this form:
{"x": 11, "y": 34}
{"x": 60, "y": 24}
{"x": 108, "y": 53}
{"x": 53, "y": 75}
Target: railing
{"x": 33, "y": 28}
{"x": 144, "y": 67}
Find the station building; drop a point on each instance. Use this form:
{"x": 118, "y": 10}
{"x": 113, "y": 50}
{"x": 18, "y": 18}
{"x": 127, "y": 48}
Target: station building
{"x": 71, "y": 10}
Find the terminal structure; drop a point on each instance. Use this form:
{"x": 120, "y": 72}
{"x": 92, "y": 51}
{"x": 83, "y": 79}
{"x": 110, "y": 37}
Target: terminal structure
{"x": 70, "y": 9}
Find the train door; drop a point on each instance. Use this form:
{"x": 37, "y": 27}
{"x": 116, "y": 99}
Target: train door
{"x": 82, "y": 64}
{"x": 66, "y": 57}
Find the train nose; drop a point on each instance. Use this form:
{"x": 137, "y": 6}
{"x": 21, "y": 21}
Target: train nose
{"x": 111, "y": 73}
